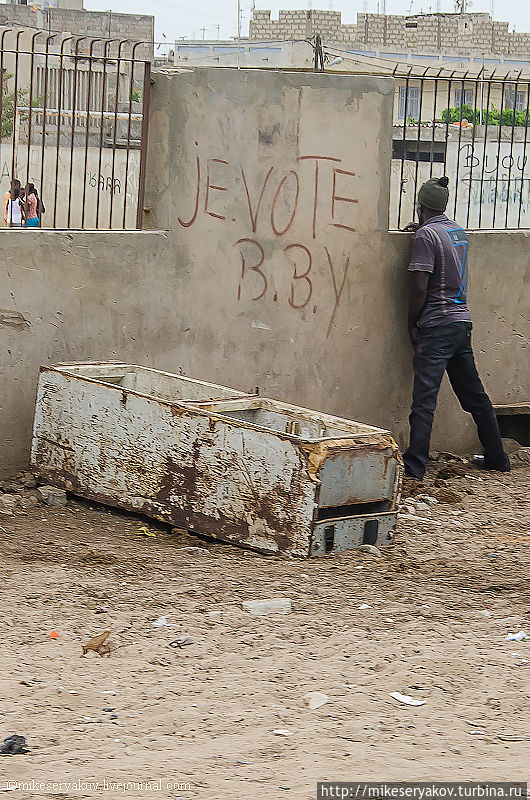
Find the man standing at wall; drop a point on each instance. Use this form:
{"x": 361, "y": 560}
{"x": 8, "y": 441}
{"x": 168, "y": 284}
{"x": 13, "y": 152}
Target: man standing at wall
{"x": 440, "y": 331}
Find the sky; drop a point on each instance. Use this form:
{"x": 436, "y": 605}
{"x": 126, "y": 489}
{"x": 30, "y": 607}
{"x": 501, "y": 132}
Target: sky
{"x": 212, "y": 19}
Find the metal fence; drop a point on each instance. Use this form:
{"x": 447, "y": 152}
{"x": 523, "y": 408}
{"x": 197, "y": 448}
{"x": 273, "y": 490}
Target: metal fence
{"x": 475, "y": 131}
{"x": 74, "y": 124}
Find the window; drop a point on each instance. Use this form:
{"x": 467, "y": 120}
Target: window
{"x": 515, "y": 100}
{"x": 412, "y": 98}
{"x": 412, "y": 150}
{"x": 467, "y": 94}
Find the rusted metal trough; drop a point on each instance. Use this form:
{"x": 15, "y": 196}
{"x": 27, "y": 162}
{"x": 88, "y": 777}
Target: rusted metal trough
{"x": 245, "y": 469}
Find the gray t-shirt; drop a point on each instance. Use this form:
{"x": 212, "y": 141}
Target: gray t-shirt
{"x": 440, "y": 248}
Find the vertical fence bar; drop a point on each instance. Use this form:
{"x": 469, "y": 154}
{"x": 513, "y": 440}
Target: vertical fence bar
{"x": 434, "y": 124}
{"x": 484, "y": 151}
{"x": 526, "y": 120}
{"x": 405, "y": 109}
{"x": 447, "y": 115}
{"x": 475, "y": 96}
{"x": 58, "y": 133}
{"x": 498, "y": 152}
{"x": 457, "y": 176}
{"x": 131, "y": 89}
{"x": 72, "y": 137}
{"x": 103, "y": 108}
{"x": 15, "y": 115}
{"x": 4, "y": 34}
{"x": 87, "y": 129}
{"x": 143, "y": 151}
{"x": 116, "y": 94}
{"x": 510, "y": 160}
{"x": 418, "y": 140}
{"x": 44, "y": 115}
{"x": 30, "y": 111}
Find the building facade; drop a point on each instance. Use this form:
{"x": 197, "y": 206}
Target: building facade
{"x": 458, "y": 34}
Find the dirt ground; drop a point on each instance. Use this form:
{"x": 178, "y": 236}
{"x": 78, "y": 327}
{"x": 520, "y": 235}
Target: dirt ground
{"x": 205, "y": 715}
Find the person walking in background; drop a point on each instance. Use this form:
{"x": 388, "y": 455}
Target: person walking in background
{"x": 32, "y": 207}
{"x": 15, "y": 209}
{"x": 439, "y": 325}
{"x": 15, "y": 184}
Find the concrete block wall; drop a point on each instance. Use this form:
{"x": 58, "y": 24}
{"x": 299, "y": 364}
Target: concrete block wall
{"x": 84, "y": 23}
{"x": 458, "y": 34}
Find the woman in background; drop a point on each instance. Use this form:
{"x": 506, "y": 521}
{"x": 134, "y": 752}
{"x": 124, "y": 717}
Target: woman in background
{"x": 15, "y": 184}
{"x": 32, "y": 207}
{"x": 14, "y": 210}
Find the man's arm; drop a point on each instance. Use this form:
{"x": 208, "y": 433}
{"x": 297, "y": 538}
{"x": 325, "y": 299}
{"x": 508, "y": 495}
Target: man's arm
{"x": 418, "y": 283}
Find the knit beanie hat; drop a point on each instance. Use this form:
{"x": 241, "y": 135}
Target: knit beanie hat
{"x": 434, "y": 194}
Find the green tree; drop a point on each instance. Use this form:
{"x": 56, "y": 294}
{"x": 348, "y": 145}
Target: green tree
{"x": 8, "y": 109}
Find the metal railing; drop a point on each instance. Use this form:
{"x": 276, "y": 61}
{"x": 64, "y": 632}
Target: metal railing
{"x": 475, "y": 131}
{"x": 74, "y": 123}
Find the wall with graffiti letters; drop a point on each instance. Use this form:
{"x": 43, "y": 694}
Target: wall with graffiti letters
{"x": 275, "y": 187}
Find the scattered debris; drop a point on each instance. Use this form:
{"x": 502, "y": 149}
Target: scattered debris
{"x": 98, "y": 644}
{"x": 426, "y": 498}
{"x": 315, "y": 699}
{"x": 262, "y": 607}
{"x": 522, "y": 456}
{"x": 161, "y": 622}
{"x": 9, "y": 502}
{"x": 484, "y": 613}
{"x": 51, "y": 496}
{"x": 194, "y": 549}
{"x": 182, "y": 641}
{"x": 14, "y": 745}
{"x": 143, "y": 530}
{"x": 282, "y": 732}
{"x": 452, "y": 470}
{"x": 456, "y": 750}
{"x": 446, "y": 495}
{"x": 406, "y": 700}
{"x": 53, "y": 635}
{"x": 517, "y": 637}
{"x": 363, "y": 606}
{"x": 370, "y": 549}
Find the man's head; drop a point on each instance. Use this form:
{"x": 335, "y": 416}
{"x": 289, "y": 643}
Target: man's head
{"x": 433, "y": 197}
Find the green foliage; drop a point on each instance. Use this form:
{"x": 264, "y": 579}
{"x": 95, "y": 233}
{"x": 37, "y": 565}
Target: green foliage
{"x": 459, "y": 113}
{"x": 8, "y": 109}
{"x": 137, "y": 95}
{"x": 518, "y": 119}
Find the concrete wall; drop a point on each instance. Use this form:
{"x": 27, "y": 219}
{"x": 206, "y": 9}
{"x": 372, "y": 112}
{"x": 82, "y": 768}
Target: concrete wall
{"x": 452, "y": 33}
{"x": 321, "y": 321}
{"x": 90, "y": 177}
{"x": 331, "y": 345}
{"x": 81, "y": 23}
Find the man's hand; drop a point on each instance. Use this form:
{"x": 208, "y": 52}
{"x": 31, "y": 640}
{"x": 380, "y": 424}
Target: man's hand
{"x": 418, "y": 284}
{"x": 414, "y": 335}
{"x": 412, "y": 227}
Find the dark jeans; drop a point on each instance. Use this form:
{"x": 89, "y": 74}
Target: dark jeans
{"x": 440, "y": 348}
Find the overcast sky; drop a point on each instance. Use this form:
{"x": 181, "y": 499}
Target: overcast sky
{"x": 187, "y": 18}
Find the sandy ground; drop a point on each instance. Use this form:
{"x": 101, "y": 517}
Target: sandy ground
{"x": 205, "y": 715}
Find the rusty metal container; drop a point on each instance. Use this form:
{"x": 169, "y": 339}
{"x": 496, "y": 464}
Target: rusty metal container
{"x": 241, "y": 468}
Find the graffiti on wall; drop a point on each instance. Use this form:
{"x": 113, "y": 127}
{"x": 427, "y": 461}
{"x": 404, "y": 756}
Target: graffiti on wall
{"x": 317, "y": 193}
{"x": 495, "y": 175}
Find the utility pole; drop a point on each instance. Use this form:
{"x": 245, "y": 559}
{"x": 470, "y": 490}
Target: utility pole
{"x": 203, "y": 32}
{"x": 218, "y": 31}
